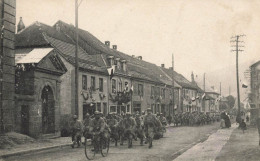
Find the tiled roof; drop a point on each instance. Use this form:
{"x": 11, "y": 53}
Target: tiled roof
{"x": 32, "y": 36}
{"x": 85, "y": 61}
{"x": 136, "y": 68}
{"x": 180, "y": 79}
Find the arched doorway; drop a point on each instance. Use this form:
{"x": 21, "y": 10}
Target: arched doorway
{"x": 48, "y": 110}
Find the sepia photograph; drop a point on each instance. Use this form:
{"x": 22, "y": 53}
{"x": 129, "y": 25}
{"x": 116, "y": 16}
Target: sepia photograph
{"x": 129, "y": 80}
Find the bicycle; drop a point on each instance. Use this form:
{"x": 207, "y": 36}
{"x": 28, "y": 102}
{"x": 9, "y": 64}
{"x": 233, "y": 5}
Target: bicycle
{"x": 97, "y": 144}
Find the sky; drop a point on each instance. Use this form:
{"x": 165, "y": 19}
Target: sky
{"x": 197, "y": 32}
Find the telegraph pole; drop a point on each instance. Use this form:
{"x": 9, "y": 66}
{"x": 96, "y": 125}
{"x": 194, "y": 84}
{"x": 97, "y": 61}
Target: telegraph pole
{"x": 204, "y": 77}
{"x": 220, "y": 88}
{"x": 236, "y": 40}
{"x": 76, "y": 59}
{"x": 173, "y": 85}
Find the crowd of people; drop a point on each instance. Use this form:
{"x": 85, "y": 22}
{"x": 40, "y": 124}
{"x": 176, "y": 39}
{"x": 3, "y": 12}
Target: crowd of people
{"x": 120, "y": 127}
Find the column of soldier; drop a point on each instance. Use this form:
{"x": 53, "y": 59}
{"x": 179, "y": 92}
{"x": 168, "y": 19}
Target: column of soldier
{"x": 145, "y": 126}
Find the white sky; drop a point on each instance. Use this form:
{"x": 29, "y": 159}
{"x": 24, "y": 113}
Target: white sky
{"x": 197, "y": 32}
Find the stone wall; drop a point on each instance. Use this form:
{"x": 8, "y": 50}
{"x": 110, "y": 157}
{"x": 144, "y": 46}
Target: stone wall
{"x": 7, "y": 26}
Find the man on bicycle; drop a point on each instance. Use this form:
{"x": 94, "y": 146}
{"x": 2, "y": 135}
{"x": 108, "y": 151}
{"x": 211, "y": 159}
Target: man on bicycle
{"x": 150, "y": 122}
{"x": 97, "y": 125}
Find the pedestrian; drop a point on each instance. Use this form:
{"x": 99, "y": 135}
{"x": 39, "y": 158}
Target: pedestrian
{"x": 247, "y": 118}
{"x": 150, "y": 125}
{"x": 243, "y": 125}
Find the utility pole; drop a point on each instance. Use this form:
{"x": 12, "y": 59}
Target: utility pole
{"x": 173, "y": 85}
{"x": 220, "y": 88}
{"x": 229, "y": 90}
{"x": 238, "y": 46}
{"x": 204, "y": 77}
{"x": 76, "y": 59}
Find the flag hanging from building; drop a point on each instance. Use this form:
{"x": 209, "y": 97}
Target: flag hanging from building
{"x": 111, "y": 71}
{"x": 244, "y": 85}
{"x": 203, "y": 96}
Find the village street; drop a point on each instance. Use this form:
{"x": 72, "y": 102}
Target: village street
{"x": 176, "y": 141}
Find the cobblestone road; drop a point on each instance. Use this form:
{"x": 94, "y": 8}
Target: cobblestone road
{"x": 176, "y": 141}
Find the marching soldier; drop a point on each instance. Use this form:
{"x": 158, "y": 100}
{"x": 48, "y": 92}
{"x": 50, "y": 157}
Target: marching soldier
{"x": 139, "y": 128}
{"x": 113, "y": 125}
{"x": 129, "y": 126}
{"x": 76, "y": 131}
{"x": 98, "y": 125}
{"x": 150, "y": 125}
{"x": 86, "y": 124}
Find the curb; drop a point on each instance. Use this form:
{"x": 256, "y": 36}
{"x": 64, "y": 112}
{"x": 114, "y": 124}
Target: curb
{"x": 33, "y": 150}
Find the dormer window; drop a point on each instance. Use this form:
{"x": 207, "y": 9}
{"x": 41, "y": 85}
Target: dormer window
{"x": 110, "y": 60}
{"x": 123, "y": 63}
{"x": 117, "y": 63}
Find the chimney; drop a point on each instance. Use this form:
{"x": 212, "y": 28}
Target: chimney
{"x": 162, "y": 65}
{"x": 140, "y": 57}
{"x": 107, "y": 43}
{"x": 171, "y": 68}
{"x": 114, "y": 47}
{"x": 57, "y": 27}
{"x": 20, "y": 25}
{"x": 192, "y": 77}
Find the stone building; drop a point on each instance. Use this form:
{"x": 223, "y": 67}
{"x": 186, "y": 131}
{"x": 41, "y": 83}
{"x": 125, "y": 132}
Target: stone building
{"x": 254, "y": 95}
{"x": 7, "y": 69}
{"x": 37, "y": 88}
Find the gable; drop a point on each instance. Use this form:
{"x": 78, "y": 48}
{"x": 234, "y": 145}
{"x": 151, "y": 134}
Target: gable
{"x": 52, "y": 63}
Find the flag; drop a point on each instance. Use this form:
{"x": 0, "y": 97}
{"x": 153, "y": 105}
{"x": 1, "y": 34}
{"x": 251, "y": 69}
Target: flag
{"x": 111, "y": 71}
{"x": 203, "y": 96}
{"x": 193, "y": 99}
{"x": 132, "y": 88}
{"x": 244, "y": 85}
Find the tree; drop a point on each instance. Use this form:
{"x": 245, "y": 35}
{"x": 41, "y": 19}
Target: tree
{"x": 231, "y": 101}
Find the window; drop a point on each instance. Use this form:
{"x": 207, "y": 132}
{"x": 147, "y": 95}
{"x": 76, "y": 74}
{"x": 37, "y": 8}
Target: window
{"x": 126, "y": 86}
{"x": 93, "y": 83}
{"x": 113, "y": 86}
{"x": 152, "y": 91}
{"x": 120, "y": 87}
{"x": 112, "y": 109}
{"x": 99, "y": 107}
{"x": 163, "y": 93}
{"x": 140, "y": 90}
{"x": 157, "y": 92}
{"x": 84, "y": 82}
{"x": 101, "y": 84}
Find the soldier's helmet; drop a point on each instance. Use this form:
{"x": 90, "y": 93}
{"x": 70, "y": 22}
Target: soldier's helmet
{"x": 161, "y": 114}
{"x": 75, "y": 117}
{"x": 87, "y": 115}
{"x": 96, "y": 113}
{"x": 149, "y": 109}
{"x": 137, "y": 112}
{"x": 128, "y": 114}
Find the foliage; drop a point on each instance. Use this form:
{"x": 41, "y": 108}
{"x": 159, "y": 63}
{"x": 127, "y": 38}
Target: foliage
{"x": 231, "y": 101}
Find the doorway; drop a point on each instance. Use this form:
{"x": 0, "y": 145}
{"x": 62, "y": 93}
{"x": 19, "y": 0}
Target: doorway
{"x": 48, "y": 110}
{"x": 25, "y": 119}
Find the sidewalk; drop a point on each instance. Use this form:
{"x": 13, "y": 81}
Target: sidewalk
{"x": 209, "y": 149}
{"x": 241, "y": 147}
{"x": 39, "y": 145}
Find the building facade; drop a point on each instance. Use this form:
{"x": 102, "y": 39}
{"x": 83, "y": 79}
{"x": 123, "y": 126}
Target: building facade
{"x": 7, "y": 69}
{"x": 254, "y": 95}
